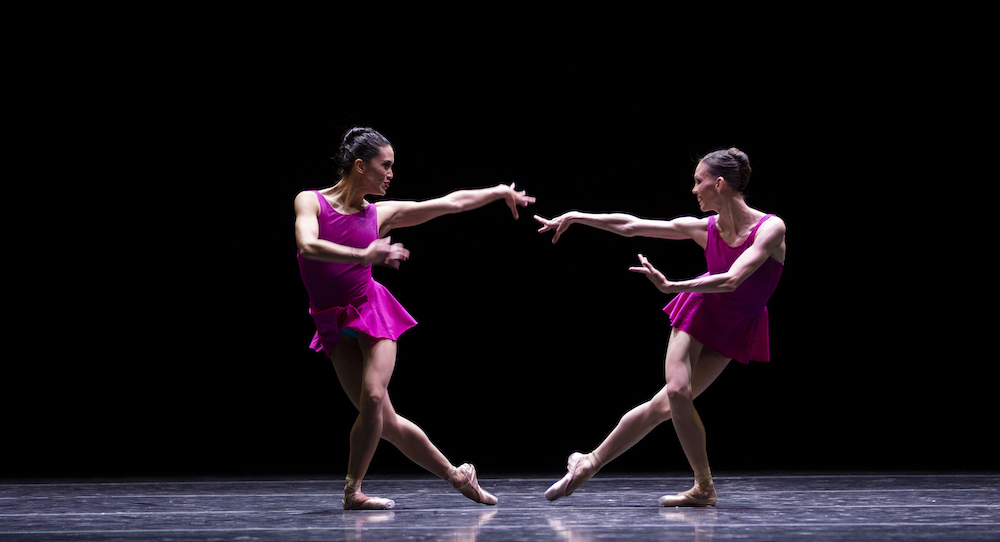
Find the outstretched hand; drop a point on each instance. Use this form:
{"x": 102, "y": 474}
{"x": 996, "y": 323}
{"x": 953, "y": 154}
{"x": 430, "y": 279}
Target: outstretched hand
{"x": 513, "y": 199}
{"x": 384, "y": 252}
{"x": 557, "y": 224}
{"x": 658, "y": 279}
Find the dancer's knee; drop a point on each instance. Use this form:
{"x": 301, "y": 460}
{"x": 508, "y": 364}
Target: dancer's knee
{"x": 679, "y": 393}
{"x": 372, "y": 401}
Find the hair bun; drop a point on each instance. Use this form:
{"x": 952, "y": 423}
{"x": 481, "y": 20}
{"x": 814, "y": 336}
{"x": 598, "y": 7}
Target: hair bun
{"x": 731, "y": 164}
{"x": 744, "y": 162}
{"x": 354, "y": 133}
{"x": 360, "y": 142}
{"x": 739, "y": 155}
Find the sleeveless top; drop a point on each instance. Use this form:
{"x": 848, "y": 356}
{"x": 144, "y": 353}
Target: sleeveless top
{"x": 734, "y": 324}
{"x": 345, "y": 295}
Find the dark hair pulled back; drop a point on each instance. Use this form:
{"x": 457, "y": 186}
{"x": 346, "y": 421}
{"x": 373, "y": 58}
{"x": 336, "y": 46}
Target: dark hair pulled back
{"x": 732, "y": 164}
{"x": 358, "y": 142}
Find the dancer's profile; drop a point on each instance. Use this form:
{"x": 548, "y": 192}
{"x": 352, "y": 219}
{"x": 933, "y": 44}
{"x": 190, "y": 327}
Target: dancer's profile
{"x": 715, "y": 318}
{"x": 339, "y": 236}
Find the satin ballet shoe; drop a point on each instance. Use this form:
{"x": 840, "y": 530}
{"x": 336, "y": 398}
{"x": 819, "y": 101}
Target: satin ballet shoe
{"x": 691, "y": 497}
{"x": 579, "y": 469}
{"x": 464, "y": 480}
{"x": 360, "y": 501}
{"x": 354, "y": 499}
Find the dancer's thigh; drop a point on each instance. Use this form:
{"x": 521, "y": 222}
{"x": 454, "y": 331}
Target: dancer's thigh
{"x": 683, "y": 372}
{"x": 349, "y": 366}
{"x": 709, "y": 366}
{"x": 678, "y": 367}
{"x": 364, "y": 365}
{"x": 379, "y": 356}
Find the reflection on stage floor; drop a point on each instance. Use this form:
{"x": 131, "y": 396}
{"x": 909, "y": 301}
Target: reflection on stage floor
{"x": 751, "y": 507}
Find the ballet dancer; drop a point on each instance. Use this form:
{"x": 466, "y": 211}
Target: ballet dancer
{"x": 716, "y": 317}
{"x": 340, "y": 235}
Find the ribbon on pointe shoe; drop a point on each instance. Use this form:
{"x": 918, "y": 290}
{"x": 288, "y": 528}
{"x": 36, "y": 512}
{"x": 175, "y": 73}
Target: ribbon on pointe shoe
{"x": 575, "y": 477}
{"x": 354, "y": 499}
{"x": 465, "y": 481}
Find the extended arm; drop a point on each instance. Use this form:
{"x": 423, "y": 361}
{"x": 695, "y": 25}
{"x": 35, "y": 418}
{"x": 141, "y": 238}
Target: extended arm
{"x": 401, "y": 214}
{"x": 769, "y": 238}
{"x": 379, "y": 252}
{"x": 629, "y": 226}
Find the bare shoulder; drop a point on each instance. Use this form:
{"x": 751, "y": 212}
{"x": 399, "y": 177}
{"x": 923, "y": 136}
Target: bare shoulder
{"x": 772, "y": 234}
{"x": 306, "y": 201}
{"x": 773, "y": 224}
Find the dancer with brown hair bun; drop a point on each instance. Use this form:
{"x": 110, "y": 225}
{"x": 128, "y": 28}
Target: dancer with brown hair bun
{"x": 340, "y": 235}
{"x": 716, "y": 317}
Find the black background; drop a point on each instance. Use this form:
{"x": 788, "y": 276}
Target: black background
{"x": 159, "y": 325}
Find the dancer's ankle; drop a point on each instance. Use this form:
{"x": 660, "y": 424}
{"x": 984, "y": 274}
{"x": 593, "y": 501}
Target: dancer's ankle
{"x": 351, "y": 486}
{"x": 595, "y": 461}
{"x": 703, "y": 482}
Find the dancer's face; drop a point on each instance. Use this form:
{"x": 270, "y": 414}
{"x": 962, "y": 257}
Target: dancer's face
{"x": 706, "y": 188}
{"x": 377, "y": 172}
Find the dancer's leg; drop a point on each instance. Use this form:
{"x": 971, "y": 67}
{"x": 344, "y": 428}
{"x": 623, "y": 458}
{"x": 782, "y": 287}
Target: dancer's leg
{"x": 687, "y": 423}
{"x": 638, "y": 422}
{"x": 635, "y": 425}
{"x": 409, "y": 438}
{"x": 364, "y": 368}
{"x": 379, "y": 360}
{"x": 680, "y": 394}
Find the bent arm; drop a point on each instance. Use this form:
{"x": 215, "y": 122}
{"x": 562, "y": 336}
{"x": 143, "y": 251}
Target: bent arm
{"x": 402, "y": 214}
{"x": 380, "y": 251}
{"x": 627, "y": 225}
{"x": 769, "y": 238}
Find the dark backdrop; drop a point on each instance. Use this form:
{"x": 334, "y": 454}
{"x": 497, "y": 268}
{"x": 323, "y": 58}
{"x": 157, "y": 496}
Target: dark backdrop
{"x": 160, "y": 325}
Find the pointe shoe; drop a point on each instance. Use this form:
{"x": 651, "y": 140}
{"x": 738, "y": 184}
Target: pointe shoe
{"x": 579, "y": 469}
{"x": 464, "y": 480}
{"x": 691, "y": 497}
{"x": 354, "y": 499}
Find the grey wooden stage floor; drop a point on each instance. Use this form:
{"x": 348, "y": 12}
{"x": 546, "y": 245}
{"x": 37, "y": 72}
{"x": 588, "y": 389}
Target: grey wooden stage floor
{"x": 751, "y": 507}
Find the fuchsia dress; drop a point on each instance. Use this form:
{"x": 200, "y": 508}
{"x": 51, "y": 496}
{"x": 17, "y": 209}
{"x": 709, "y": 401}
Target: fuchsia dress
{"x": 733, "y": 324}
{"x": 344, "y": 295}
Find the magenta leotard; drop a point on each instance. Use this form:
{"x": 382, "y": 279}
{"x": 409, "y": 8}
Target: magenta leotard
{"x": 343, "y": 295}
{"x": 733, "y": 324}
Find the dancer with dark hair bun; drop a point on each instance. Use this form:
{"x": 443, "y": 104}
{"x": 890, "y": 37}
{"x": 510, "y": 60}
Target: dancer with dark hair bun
{"x": 340, "y": 235}
{"x": 717, "y": 317}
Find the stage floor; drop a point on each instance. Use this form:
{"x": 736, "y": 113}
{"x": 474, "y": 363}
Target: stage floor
{"x": 751, "y": 507}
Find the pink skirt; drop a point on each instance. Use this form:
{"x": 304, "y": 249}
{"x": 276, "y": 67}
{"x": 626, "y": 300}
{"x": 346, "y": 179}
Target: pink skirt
{"x": 721, "y": 327}
{"x": 377, "y": 315}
